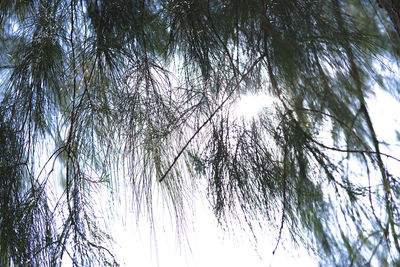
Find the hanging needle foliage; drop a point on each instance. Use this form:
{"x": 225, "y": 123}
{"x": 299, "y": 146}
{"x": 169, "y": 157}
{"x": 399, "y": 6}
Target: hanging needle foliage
{"x": 95, "y": 92}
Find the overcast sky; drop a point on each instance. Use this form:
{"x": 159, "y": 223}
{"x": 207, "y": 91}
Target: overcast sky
{"x": 208, "y": 245}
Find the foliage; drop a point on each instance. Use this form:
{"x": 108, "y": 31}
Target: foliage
{"x": 150, "y": 87}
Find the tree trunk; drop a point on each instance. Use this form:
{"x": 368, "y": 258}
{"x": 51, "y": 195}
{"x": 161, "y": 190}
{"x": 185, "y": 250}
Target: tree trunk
{"x": 392, "y": 7}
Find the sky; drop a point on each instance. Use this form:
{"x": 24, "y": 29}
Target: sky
{"x": 206, "y": 243}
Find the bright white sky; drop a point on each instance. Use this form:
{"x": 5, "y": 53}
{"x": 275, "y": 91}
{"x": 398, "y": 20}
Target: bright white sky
{"x": 206, "y": 243}
{"x": 210, "y": 246}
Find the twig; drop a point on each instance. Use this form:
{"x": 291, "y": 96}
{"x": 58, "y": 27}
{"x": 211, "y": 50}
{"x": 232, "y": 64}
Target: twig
{"x": 210, "y": 117}
{"x": 284, "y": 204}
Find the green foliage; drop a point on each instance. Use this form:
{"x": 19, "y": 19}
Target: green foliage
{"x": 149, "y": 87}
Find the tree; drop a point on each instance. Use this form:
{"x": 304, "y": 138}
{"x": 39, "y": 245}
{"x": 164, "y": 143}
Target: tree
{"x": 150, "y": 86}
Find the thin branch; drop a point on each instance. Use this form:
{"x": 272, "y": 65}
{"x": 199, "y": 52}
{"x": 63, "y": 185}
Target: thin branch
{"x": 284, "y": 202}
{"x": 210, "y": 117}
{"x": 352, "y": 150}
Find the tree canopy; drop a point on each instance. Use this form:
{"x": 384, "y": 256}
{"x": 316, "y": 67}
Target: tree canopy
{"x": 95, "y": 91}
